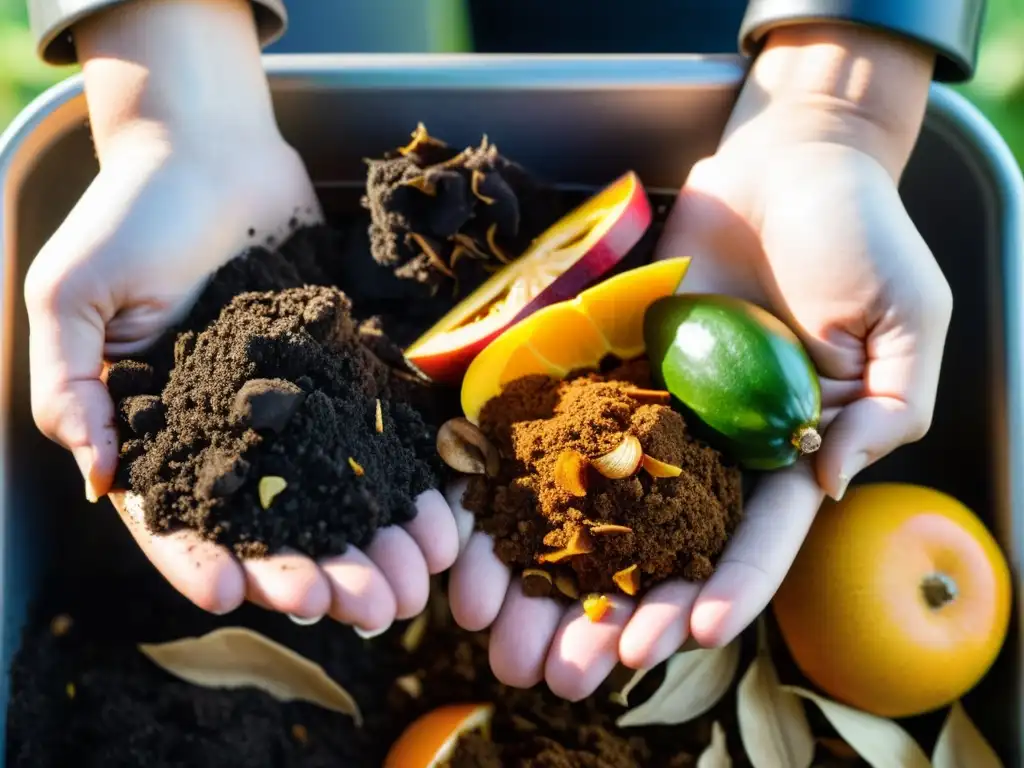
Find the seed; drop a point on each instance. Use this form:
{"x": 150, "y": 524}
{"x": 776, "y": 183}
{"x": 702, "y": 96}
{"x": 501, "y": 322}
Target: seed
{"x": 566, "y": 584}
{"x": 596, "y": 606}
{"x": 622, "y": 462}
{"x": 610, "y": 529}
{"x": 415, "y": 632}
{"x": 356, "y": 467}
{"x": 268, "y": 489}
{"x": 571, "y": 472}
{"x": 656, "y": 468}
{"x": 580, "y": 543}
{"x": 628, "y": 580}
{"x": 411, "y": 684}
{"x": 464, "y": 448}
{"x": 378, "y": 418}
{"x": 69, "y": 689}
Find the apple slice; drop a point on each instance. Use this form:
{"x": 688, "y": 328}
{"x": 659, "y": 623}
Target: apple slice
{"x": 566, "y": 258}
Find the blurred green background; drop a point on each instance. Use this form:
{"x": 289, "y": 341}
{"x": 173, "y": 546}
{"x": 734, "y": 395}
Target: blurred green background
{"x": 998, "y": 88}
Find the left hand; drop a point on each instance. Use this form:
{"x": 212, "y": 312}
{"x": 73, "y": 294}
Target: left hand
{"x": 797, "y": 211}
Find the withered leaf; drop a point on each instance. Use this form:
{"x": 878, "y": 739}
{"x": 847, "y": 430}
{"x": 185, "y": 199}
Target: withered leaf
{"x": 961, "y": 745}
{"x": 772, "y": 721}
{"x": 880, "y": 742}
{"x": 716, "y": 755}
{"x": 694, "y": 682}
{"x": 235, "y": 657}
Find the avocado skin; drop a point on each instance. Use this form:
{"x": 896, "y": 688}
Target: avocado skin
{"x": 738, "y": 369}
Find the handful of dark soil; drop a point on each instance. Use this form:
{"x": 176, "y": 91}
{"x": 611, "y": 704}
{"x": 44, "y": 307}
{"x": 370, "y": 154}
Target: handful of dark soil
{"x": 270, "y": 420}
{"x": 601, "y": 486}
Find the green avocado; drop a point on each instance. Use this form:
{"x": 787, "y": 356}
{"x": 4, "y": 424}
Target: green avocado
{"x": 739, "y": 370}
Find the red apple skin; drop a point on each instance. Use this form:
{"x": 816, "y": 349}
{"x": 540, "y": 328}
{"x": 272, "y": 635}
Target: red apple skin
{"x": 447, "y": 366}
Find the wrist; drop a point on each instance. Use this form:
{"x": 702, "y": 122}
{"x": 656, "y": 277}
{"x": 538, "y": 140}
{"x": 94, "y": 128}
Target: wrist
{"x": 841, "y": 84}
{"x": 179, "y": 73}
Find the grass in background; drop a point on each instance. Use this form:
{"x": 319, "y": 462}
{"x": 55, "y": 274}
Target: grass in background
{"x": 998, "y": 88}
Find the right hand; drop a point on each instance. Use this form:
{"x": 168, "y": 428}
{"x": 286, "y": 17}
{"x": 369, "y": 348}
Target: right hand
{"x": 129, "y": 260}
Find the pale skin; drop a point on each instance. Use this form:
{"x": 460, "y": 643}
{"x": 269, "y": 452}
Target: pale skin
{"x": 797, "y": 210}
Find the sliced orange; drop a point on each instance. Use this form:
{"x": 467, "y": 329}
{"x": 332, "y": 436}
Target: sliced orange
{"x": 431, "y": 740}
{"x": 607, "y": 319}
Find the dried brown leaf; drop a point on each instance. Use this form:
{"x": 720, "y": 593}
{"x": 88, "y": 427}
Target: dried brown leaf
{"x": 694, "y": 682}
{"x": 772, "y": 722}
{"x": 235, "y": 657}
{"x": 716, "y": 755}
{"x": 880, "y": 742}
{"x": 961, "y": 744}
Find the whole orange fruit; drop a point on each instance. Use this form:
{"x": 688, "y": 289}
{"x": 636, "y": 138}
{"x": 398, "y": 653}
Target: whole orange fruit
{"x": 898, "y": 602}
{"x": 431, "y": 740}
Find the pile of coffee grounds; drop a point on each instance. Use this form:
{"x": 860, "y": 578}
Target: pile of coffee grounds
{"x": 677, "y": 526}
{"x": 271, "y": 376}
{"x": 445, "y": 219}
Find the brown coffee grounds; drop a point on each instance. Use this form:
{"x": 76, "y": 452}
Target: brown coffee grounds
{"x": 277, "y": 381}
{"x": 677, "y": 526}
{"x": 446, "y": 219}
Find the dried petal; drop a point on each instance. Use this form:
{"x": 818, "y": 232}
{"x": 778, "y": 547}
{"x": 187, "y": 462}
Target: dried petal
{"x": 961, "y": 745}
{"x": 649, "y": 396}
{"x": 492, "y": 243}
{"x": 415, "y": 632}
{"x": 566, "y": 584}
{"x": 609, "y": 529}
{"x": 420, "y": 137}
{"x": 268, "y": 489}
{"x": 464, "y": 448}
{"x": 621, "y": 697}
{"x": 476, "y": 180}
{"x": 596, "y": 607}
{"x": 621, "y": 462}
{"x": 356, "y": 467}
{"x": 773, "y": 723}
{"x": 233, "y": 657}
{"x": 571, "y": 472}
{"x": 579, "y": 544}
{"x": 716, "y": 755}
{"x": 656, "y": 468}
{"x": 628, "y": 580}
{"x": 694, "y": 682}
{"x": 378, "y": 418}
{"x": 877, "y": 740}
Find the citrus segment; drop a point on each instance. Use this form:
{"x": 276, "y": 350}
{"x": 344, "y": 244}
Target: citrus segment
{"x": 431, "y": 740}
{"x": 572, "y": 335}
{"x": 611, "y": 304}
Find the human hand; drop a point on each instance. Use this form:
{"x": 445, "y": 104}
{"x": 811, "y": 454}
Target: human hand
{"x": 798, "y": 211}
{"x": 187, "y": 181}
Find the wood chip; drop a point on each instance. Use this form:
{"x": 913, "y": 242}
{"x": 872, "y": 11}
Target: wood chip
{"x": 378, "y": 418}
{"x": 628, "y": 580}
{"x": 356, "y": 467}
{"x": 234, "y": 657}
{"x": 571, "y": 472}
{"x": 269, "y": 488}
{"x": 596, "y": 607}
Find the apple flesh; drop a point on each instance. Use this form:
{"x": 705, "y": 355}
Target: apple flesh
{"x": 570, "y": 255}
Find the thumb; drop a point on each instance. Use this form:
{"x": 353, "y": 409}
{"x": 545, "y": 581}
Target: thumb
{"x": 70, "y": 403}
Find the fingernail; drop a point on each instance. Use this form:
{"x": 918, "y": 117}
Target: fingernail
{"x": 85, "y": 458}
{"x": 302, "y": 621}
{"x": 853, "y": 465}
{"x": 370, "y": 634}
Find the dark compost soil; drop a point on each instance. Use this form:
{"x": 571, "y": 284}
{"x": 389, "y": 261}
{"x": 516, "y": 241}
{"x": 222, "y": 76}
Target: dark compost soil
{"x": 639, "y": 526}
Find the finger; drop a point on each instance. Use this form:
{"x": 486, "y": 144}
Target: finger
{"x": 398, "y": 557}
{"x": 477, "y": 585}
{"x": 200, "y": 570}
{"x": 288, "y": 582}
{"x": 464, "y": 520}
{"x": 361, "y": 596}
{"x": 70, "y": 404}
{"x": 659, "y": 626}
{"x": 759, "y": 554}
{"x": 521, "y": 636}
{"x": 839, "y": 392}
{"x": 584, "y": 652}
{"x": 434, "y": 531}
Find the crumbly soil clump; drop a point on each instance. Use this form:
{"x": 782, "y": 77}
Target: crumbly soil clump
{"x": 594, "y": 535}
{"x": 272, "y": 377}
